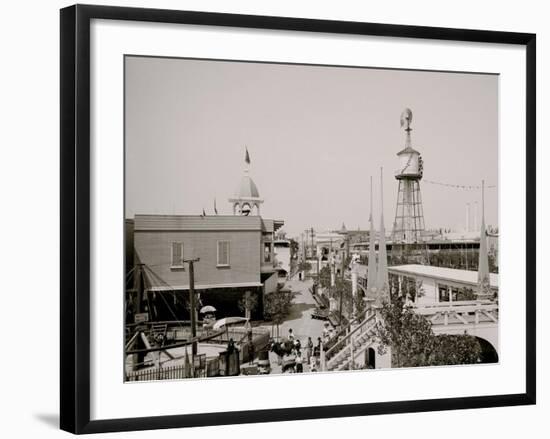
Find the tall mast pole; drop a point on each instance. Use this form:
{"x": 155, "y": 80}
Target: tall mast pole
{"x": 312, "y": 252}
{"x": 382, "y": 273}
{"x": 371, "y": 219}
{"x": 371, "y": 274}
{"x": 483, "y": 201}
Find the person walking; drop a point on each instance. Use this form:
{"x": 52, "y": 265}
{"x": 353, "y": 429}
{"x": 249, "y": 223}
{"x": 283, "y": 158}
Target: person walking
{"x": 280, "y": 353}
{"x": 251, "y": 352}
{"x": 299, "y": 362}
{"x": 309, "y": 349}
{"x": 318, "y": 347}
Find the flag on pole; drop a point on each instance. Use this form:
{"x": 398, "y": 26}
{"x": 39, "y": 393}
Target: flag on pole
{"x": 247, "y": 156}
{"x": 215, "y": 208}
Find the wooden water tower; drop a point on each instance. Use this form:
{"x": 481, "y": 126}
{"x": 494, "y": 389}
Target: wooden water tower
{"x": 409, "y": 215}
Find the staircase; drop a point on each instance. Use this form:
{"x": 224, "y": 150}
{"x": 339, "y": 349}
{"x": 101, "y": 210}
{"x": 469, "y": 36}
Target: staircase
{"x": 357, "y": 340}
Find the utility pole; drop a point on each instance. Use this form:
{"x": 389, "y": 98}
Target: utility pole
{"x": 312, "y": 253}
{"x": 139, "y": 290}
{"x": 192, "y": 305}
{"x": 318, "y": 257}
{"x": 343, "y": 264}
{"x": 343, "y": 261}
{"x": 340, "y": 307}
{"x": 307, "y": 232}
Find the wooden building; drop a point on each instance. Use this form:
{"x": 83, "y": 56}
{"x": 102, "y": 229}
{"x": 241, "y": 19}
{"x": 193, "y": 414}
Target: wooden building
{"x": 235, "y": 254}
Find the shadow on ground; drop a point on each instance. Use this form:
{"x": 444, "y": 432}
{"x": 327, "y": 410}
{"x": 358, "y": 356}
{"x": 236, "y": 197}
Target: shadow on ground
{"x": 49, "y": 419}
{"x": 297, "y": 311}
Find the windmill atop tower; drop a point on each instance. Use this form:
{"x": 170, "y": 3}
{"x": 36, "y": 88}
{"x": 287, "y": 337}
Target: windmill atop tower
{"x": 409, "y": 215}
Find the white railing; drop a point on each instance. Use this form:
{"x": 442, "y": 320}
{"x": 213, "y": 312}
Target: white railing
{"x": 344, "y": 347}
{"x": 467, "y": 313}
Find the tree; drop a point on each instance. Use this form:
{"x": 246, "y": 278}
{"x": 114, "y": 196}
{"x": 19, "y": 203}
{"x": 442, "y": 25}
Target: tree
{"x": 277, "y": 305}
{"x": 324, "y": 277}
{"x": 455, "y": 349}
{"x": 358, "y": 303}
{"x": 248, "y": 302}
{"x": 344, "y": 288}
{"x": 409, "y": 335}
{"x": 294, "y": 248}
{"x": 413, "y": 342}
{"x": 304, "y": 266}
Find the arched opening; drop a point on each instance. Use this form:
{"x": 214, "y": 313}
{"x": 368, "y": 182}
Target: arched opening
{"x": 246, "y": 209}
{"x": 370, "y": 358}
{"x": 488, "y": 352}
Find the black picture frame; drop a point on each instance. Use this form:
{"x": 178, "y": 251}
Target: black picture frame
{"x": 75, "y": 217}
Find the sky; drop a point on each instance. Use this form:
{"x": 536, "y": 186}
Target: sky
{"x": 315, "y": 135}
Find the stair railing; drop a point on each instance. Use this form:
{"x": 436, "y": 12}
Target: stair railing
{"x": 345, "y": 330}
{"x": 341, "y": 344}
{"x": 346, "y": 343}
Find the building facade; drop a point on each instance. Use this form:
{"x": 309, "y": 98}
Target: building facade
{"x": 234, "y": 257}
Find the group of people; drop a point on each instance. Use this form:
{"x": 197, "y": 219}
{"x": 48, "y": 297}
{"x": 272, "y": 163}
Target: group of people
{"x": 292, "y": 355}
{"x": 310, "y": 358}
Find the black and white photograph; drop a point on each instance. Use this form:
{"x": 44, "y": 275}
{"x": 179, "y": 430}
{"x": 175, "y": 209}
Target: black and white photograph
{"x": 275, "y": 219}
{"x": 297, "y": 219}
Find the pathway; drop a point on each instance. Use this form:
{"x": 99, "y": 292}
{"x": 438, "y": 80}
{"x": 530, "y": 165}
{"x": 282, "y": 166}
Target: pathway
{"x": 299, "y": 319}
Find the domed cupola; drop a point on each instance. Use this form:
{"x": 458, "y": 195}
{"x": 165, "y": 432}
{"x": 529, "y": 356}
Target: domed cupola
{"x": 247, "y": 188}
{"x": 247, "y": 199}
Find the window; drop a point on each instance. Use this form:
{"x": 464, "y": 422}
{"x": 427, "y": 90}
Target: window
{"x": 454, "y": 294}
{"x": 267, "y": 251}
{"x": 223, "y": 254}
{"x": 443, "y": 294}
{"x": 177, "y": 255}
{"x": 464, "y": 294}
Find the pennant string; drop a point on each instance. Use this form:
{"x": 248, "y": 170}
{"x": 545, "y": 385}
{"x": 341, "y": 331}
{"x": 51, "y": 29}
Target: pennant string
{"x": 458, "y": 186}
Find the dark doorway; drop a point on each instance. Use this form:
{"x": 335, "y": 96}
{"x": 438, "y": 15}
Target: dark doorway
{"x": 488, "y": 352}
{"x": 370, "y": 358}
